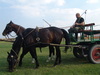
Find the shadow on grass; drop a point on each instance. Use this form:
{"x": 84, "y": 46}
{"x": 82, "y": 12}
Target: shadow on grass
{"x": 3, "y": 65}
{"x": 67, "y": 59}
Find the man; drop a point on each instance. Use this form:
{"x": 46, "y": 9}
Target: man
{"x": 78, "y": 25}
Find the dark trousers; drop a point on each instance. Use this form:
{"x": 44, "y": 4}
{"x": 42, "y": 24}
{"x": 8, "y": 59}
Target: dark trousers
{"x": 74, "y": 30}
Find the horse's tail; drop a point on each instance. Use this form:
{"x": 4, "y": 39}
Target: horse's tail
{"x": 67, "y": 39}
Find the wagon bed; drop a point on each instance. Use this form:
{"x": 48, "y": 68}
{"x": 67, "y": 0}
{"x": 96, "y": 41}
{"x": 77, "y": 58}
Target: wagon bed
{"x": 91, "y": 48}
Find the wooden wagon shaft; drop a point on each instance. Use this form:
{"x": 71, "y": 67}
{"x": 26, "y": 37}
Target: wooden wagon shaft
{"x": 63, "y": 45}
{"x": 48, "y": 44}
{"x": 6, "y": 40}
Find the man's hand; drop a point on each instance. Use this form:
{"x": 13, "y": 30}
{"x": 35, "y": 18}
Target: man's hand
{"x": 76, "y": 23}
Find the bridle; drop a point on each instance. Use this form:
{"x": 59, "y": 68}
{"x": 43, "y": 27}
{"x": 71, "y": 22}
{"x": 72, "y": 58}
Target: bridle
{"x": 16, "y": 32}
{"x": 13, "y": 56}
{"x": 14, "y": 52}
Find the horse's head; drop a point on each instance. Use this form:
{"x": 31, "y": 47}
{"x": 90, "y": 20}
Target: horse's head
{"x": 8, "y": 28}
{"x": 12, "y": 61}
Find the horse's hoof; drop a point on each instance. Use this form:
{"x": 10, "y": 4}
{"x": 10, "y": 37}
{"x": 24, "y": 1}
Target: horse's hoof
{"x": 36, "y": 67}
{"x": 54, "y": 65}
{"x": 48, "y": 59}
{"x": 33, "y": 61}
{"x": 53, "y": 57}
{"x": 59, "y": 62}
{"x": 20, "y": 65}
{"x": 64, "y": 51}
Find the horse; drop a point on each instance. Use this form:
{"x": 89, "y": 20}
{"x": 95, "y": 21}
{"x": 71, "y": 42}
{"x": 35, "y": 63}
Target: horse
{"x": 41, "y": 38}
{"x": 10, "y": 27}
{"x": 12, "y": 57}
{"x": 32, "y": 38}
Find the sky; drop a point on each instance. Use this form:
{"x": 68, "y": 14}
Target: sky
{"x": 59, "y": 13}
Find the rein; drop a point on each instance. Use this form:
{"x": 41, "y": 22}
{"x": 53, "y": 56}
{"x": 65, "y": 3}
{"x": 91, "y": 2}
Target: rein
{"x": 28, "y": 33}
{"x": 16, "y": 55}
{"x": 7, "y": 37}
{"x": 16, "y": 32}
{"x": 12, "y": 35}
{"x": 14, "y": 52}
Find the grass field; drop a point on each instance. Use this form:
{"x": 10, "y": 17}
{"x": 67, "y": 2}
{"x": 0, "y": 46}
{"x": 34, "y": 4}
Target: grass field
{"x": 69, "y": 66}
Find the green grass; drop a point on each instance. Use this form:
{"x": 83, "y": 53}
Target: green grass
{"x": 69, "y": 66}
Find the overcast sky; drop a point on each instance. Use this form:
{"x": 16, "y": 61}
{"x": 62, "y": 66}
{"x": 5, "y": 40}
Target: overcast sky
{"x": 59, "y": 13}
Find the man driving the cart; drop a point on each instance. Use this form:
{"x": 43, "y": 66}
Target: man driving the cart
{"x": 77, "y": 26}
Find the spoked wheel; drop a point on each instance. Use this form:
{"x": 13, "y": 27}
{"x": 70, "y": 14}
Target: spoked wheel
{"x": 77, "y": 52}
{"x": 94, "y": 54}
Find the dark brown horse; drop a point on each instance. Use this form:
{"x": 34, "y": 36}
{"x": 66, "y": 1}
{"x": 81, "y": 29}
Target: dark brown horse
{"x": 39, "y": 38}
{"x": 13, "y": 55}
{"x": 13, "y": 27}
{"x": 10, "y": 27}
{"x": 43, "y": 37}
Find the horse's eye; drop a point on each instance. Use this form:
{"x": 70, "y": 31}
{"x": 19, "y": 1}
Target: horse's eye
{"x": 8, "y": 27}
{"x": 15, "y": 60}
{"x": 8, "y": 60}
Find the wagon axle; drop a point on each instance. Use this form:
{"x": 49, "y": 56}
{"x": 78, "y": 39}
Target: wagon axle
{"x": 97, "y": 54}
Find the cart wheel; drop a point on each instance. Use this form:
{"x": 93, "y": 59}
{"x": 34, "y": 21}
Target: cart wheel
{"x": 94, "y": 54}
{"x": 77, "y": 53}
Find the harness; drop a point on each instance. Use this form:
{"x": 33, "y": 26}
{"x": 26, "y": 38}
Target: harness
{"x": 14, "y": 52}
{"x": 37, "y": 35}
{"x": 27, "y": 34}
{"x": 16, "y": 32}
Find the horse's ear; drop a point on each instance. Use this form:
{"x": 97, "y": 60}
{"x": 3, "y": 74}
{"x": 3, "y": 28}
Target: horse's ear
{"x": 8, "y": 53}
{"x": 11, "y": 22}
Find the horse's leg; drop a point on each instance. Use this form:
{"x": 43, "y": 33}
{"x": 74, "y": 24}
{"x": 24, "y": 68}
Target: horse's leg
{"x": 58, "y": 56}
{"x": 24, "y": 52}
{"x": 33, "y": 59}
{"x": 34, "y": 55}
{"x": 59, "y": 53}
{"x": 51, "y": 52}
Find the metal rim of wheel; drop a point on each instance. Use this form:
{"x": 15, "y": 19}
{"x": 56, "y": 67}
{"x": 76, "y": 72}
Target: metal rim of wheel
{"x": 95, "y": 54}
{"x": 77, "y": 53}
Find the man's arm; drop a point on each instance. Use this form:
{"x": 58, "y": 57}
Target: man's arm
{"x": 83, "y": 23}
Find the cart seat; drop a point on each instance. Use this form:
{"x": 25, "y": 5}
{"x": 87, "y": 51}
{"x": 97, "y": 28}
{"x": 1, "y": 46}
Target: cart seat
{"x": 90, "y": 32}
